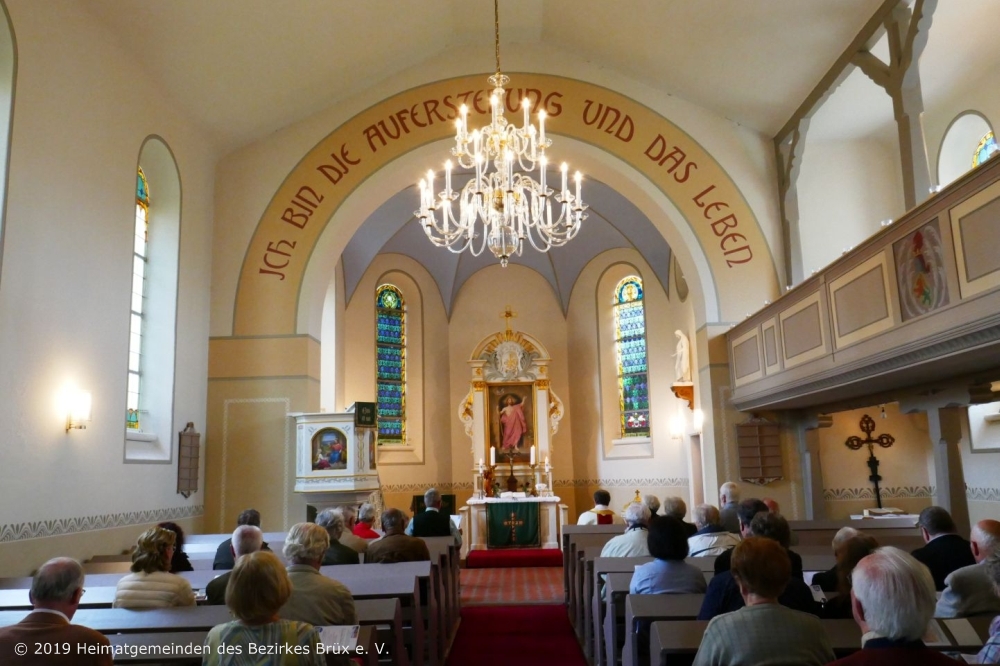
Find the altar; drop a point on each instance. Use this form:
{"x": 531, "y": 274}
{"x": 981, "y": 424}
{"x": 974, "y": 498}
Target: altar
{"x": 511, "y": 414}
{"x": 549, "y": 520}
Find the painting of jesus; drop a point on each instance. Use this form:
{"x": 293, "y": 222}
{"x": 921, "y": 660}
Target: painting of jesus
{"x": 511, "y": 420}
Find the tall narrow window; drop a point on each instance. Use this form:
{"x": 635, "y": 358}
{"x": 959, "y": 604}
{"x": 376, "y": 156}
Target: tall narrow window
{"x": 630, "y": 347}
{"x": 390, "y": 364}
{"x": 986, "y": 149}
{"x": 139, "y": 254}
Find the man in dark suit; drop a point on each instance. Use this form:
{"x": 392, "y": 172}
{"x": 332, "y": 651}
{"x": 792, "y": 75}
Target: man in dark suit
{"x": 945, "y": 551}
{"x": 333, "y": 521}
{"x": 675, "y": 506}
{"x": 245, "y": 540}
{"x": 55, "y": 595}
{"x": 747, "y": 510}
{"x": 225, "y": 558}
{"x": 431, "y": 522}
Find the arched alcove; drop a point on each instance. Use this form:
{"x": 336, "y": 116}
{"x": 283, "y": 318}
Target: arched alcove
{"x": 959, "y": 145}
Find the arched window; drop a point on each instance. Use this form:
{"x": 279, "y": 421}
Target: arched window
{"x": 630, "y": 349}
{"x": 390, "y": 364}
{"x": 986, "y": 149}
{"x": 139, "y": 254}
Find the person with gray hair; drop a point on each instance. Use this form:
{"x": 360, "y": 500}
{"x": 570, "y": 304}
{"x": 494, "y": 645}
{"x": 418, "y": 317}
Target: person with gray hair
{"x": 652, "y": 502}
{"x": 431, "y": 522}
{"x": 396, "y": 546}
{"x": 676, "y": 507}
{"x": 710, "y": 539}
{"x": 969, "y": 590}
{"x": 246, "y": 539}
{"x": 729, "y": 499}
{"x": 892, "y": 599}
{"x": 55, "y": 595}
{"x": 316, "y": 599}
{"x": 829, "y": 580}
{"x": 337, "y": 553}
{"x": 348, "y": 538}
{"x": 946, "y": 549}
{"x": 633, "y": 542}
{"x": 366, "y": 518}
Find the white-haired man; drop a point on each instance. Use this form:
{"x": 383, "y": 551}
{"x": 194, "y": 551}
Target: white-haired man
{"x": 348, "y": 538}
{"x": 633, "y": 542}
{"x": 246, "y": 539}
{"x": 337, "y": 553}
{"x": 711, "y": 539}
{"x": 316, "y": 599}
{"x": 431, "y": 522}
{"x": 676, "y": 507}
{"x": 729, "y": 500}
{"x": 969, "y": 590}
{"x": 652, "y": 503}
{"x": 892, "y": 599}
{"x": 55, "y": 595}
{"x": 828, "y": 581}
{"x": 366, "y": 518}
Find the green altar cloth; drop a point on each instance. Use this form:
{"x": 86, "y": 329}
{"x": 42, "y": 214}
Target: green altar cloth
{"x": 512, "y": 525}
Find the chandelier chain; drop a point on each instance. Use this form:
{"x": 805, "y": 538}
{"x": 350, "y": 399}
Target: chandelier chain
{"x": 496, "y": 31}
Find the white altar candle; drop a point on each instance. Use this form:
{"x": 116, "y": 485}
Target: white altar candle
{"x": 547, "y": 464}
{"x": 532, "y": 454}
{"x": 493, "y": 457}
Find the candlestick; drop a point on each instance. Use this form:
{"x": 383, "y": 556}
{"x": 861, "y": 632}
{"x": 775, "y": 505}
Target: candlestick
{"x": 532, "y": 457}
{"x": 493, "y": 457}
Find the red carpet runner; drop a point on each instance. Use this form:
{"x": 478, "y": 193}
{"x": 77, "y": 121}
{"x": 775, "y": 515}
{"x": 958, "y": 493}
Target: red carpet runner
{"x": 514, "y": 557}
{"x": 522, "y": 635}
{"x": 524, "y": 585}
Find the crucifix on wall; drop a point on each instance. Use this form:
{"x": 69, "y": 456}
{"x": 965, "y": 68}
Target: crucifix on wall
{"x": 884, "y": 440}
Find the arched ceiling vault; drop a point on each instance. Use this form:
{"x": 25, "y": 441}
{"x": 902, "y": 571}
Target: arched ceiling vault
{"x": 613, "y": 222}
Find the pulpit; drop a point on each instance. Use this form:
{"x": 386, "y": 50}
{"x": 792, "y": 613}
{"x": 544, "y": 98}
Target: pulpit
{"x": 511, "y": 414}
{"x": 335, "y": 459}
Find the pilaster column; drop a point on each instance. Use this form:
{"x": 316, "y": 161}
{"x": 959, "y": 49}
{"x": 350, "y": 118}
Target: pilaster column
{"x": 945, "y": 430}
{"x": 807, "y": 432}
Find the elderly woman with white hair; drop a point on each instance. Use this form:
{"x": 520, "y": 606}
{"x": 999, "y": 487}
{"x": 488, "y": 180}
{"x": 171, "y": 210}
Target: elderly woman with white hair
{"x": 893, "y": 599}
{"x": 316, "y": 599}
{"x": 633, "y": 542}
{"x": 337, "y": 553}
{"x": 366, "y": 517}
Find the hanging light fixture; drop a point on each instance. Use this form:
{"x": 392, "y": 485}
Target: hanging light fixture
{"x": 504, "y": 199}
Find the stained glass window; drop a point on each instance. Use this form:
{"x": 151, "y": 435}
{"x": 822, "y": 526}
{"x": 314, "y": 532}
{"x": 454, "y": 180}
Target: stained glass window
{"x": 139, "y": 264}
{"x": 390, "y": 364}
{"x": 986, "y": 149}
{"x": 630, "y": 347}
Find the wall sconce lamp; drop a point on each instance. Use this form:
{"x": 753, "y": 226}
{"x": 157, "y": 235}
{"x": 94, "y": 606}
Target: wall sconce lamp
{"x": 698, "y": 421}
{"x": 676, "y": 426}
{"x": 76, "y": 404}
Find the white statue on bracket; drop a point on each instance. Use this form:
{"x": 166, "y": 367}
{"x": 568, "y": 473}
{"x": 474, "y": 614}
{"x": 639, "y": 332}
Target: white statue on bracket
{"x": 682, "y": 358}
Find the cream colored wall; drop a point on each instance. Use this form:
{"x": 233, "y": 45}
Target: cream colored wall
{"x": 845, "y": 189}
{"x": 663, "y": 468}
{"x": 907, "y": 467}
{"x": 980, "y": 95}
{"x": 82, "y": 111}
{"x": 982, "y": 468}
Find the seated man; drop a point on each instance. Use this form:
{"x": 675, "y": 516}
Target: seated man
{"x": 224, "y": 557}
{"x": 723, "y": 595}
{"x": 633, "y": 542}
{"x": 316, "y": 599}
{"x": 969, "y": 590}
{"x": 828, "y": 580}
{"x": 990, "y": 654}
{"x": 246, "y": 539}
{"x": 337, "y": 553}
{"x": 763, "y": 631}
{"x": 396, "y": 546}
{"x": 600, "y": 514}
{"x": 748, "y": 509}
{"x": 711, "y": 539}
{"x": 945, "y": 550}
{"x": 652, "y": 503}
{"x": 729, "y": 497}
{"x": 55, "y": 595}
{"x": 431, "y": 522}
{"x": 366, "y": 517}
{"x": 892, "y": 598}
{"x": 348, "y": 538}
{"x": 675, "y": 506}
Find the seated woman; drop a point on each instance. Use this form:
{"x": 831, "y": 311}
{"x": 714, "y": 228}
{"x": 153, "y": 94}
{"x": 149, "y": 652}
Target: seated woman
{"x": 180, "y": 561}
{"x": 151, "y": 585}
{"x": 257, "y": 588}
{"x": 363, "y": 528}
{"x": 849, "y": 554}
{"x": 668, "y": 573}
{"x": 990, "y": 654}
{"x": 763, "y": 631}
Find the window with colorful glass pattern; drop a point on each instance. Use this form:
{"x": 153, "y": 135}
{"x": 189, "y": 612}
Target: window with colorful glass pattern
{"x": 390, "y": 364}
{"x": 139, "y": 265}
{"x": 986, "y": 149}
{"x": 630, "y": 348}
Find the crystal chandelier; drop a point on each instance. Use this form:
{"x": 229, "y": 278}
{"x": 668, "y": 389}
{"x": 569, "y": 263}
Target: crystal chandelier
{"x": 509, "y": 204}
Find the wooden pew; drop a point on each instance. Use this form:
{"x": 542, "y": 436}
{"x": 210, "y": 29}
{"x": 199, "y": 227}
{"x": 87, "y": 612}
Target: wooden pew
{"x": 444, "y": 551}
{"x": 887, "y": 531}
{"x": 594, "y": 617}
{"x": 642, "y": 609}
{"x": 574, "y": 538}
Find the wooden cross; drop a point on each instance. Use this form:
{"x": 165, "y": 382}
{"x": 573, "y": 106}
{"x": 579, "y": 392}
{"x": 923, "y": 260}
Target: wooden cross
{"x": 513, "y": 523}
{"x": 508, "y": 314}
